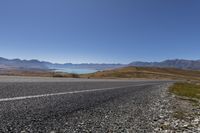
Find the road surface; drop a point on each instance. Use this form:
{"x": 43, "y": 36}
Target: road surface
{"x": 77, "y": 105}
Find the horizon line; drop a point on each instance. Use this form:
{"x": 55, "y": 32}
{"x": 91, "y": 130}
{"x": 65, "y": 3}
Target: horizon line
{"x": 40, "y": 60}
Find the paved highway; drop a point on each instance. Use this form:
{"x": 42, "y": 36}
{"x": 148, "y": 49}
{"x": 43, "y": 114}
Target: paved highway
{"x": 77, "y": 105}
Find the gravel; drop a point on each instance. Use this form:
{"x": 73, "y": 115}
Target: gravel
{"x": 177, "y": 115}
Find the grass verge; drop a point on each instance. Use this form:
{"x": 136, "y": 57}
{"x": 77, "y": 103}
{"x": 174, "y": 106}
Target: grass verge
{"x": 190, "y": 90}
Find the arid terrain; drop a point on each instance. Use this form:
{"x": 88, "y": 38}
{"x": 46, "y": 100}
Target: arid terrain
{"x": 129, "y": 99}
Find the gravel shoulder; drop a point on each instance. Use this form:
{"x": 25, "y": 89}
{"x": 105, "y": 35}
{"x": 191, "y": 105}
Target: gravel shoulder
{"x": 130, "y": 114}
{"x": 178, "y": 114}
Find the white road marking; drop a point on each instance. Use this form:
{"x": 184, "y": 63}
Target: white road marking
{"x": 64, "y": 93}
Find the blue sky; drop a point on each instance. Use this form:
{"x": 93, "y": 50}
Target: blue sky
{"x": 109, "y": 31}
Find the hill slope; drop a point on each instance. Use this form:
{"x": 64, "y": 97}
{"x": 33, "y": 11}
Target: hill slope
{"x": 147, "y": 72}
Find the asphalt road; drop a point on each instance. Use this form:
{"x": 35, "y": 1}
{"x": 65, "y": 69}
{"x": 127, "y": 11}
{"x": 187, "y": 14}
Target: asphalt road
{"x": 77, "y": 105}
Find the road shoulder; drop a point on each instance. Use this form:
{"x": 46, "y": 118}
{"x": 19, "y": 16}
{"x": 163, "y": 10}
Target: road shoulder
{"x": 179, "y": 114}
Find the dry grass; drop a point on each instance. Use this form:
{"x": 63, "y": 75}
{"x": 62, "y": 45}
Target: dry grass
{"x": 147, "y": 72}
{"x": 37, "y": 73}
{"x": 189, "y": 90}
{"x": 126, "y": 73}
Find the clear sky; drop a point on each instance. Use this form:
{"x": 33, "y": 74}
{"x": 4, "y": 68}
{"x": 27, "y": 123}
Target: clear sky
{"x": 109, "y": 31}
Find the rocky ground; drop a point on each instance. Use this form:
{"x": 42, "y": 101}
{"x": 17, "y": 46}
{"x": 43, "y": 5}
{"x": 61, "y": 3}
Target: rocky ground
{"x": 177, "y": 115}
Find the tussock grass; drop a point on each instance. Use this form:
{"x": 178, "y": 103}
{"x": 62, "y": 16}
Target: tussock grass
{"x": 190, "y": 90}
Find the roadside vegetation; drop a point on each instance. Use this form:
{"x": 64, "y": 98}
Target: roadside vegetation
{"x": 187, "y": 101}
{"x": 64, "y": 75}
{"x": 190, "y": 90}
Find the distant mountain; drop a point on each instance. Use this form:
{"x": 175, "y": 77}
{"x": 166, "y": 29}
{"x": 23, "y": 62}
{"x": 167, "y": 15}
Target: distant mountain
{"x": 176, "y": 63}
{"x": 21, "y": 64}
{"x": 93, "y": 66}
{"x": 35, "y": 64}
{"x": 85, "y": 66}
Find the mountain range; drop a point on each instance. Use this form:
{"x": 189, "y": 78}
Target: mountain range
{"x": 36, "y": 64}
{"x": 21, "y": 64}
{"x": 43, "y": 65}
{"x": 175, "y": 63}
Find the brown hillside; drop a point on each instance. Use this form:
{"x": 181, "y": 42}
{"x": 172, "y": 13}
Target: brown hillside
{"x": 146, "y": 72}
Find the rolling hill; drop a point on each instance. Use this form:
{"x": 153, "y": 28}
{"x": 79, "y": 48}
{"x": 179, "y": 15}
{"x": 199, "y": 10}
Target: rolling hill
{"x": 147, "y": 73}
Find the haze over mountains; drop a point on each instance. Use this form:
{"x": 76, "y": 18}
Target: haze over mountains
{"x": 21, "y": 64}
{"x": 176, "y": 63}
{"x": 35, "y": 64}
